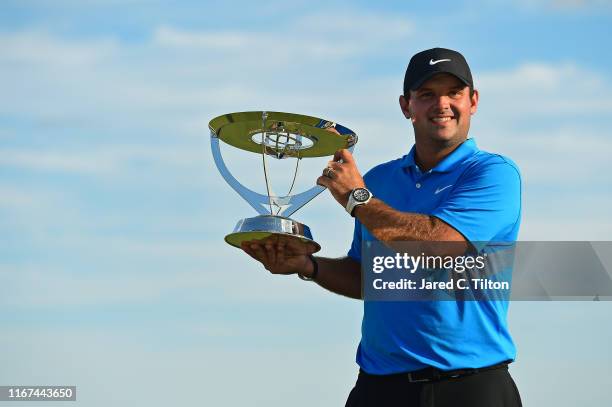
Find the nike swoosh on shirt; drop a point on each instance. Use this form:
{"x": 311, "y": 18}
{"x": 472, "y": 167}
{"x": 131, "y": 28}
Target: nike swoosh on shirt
{"x": 442, "y": 189}
{"x": 432, "y": 62}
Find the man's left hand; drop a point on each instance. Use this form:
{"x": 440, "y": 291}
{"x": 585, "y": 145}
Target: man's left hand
{"x": 341, "y": 176}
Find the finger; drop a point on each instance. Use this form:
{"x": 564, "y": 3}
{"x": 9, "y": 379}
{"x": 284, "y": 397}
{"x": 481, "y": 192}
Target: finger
{"x": 336, "y": 166}
{"x": 333, "y": 130}
{"x": 337, "y": 155}
{"x": 343, "y": 155}
{"x": 324, "y": 181}
{"x": 259, "y": 251}
{"x": 328, "y": 172}
{"x": 271, "y": 252}
{"x": 310, "y": 249}
{"x": 280, "y": 252}
{"x": 296, "y": 247}
{"x": 245, "y": 248}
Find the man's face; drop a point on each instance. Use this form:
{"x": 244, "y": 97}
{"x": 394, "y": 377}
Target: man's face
{"x": 440, "y": 109}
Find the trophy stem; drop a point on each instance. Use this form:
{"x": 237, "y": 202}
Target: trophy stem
{"x": 297, "y": 164}
{"x": 264, "y": 116}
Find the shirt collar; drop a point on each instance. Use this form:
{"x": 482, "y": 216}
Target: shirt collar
{"x": 465, "y": 150}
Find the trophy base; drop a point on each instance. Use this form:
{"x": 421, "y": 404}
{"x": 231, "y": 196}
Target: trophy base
{"x": 265, "y": 226}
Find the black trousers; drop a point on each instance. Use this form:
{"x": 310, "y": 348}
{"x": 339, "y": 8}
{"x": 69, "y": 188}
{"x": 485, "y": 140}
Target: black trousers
{"x": 489, "y": 388}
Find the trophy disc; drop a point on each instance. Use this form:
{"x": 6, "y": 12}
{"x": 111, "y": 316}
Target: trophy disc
{"x": 288, "y": 134}
{"x": 266, "y": 227}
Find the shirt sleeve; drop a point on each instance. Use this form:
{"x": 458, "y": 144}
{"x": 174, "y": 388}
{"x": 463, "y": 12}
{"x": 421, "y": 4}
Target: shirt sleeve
{"x": 485, "y": 204}
{"x": 355, "y": 250}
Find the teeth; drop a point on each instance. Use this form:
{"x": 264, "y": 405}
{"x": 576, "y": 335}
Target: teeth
{"x": 441, "y": 119}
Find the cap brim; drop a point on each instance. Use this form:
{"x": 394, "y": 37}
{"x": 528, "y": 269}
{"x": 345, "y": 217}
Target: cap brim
{"x": 430, "y": 75}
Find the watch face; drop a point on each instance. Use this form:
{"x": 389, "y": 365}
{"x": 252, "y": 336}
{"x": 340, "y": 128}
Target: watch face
{"x": 361, "y": 194}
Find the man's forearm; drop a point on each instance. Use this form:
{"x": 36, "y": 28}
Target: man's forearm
{"x": 341, "y": 276}
{"x": 388, "y": 224}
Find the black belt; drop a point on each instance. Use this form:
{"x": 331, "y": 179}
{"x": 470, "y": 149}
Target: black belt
{"x": 430, "y": 374}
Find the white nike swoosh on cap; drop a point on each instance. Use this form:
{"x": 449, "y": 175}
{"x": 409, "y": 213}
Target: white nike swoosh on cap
{"x": 442, "y": 189}
{"x": 432, "y": 62}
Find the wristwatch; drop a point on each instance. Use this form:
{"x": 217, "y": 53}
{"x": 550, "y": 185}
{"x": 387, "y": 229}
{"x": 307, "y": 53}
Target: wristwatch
{"x": 358, "y": 196}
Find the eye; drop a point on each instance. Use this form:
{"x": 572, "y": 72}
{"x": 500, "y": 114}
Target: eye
{"x": 456, "y": 93}
{"x": 425, "y": 95}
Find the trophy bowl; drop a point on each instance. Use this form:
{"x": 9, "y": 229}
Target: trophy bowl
{"x": 276, "y": 135}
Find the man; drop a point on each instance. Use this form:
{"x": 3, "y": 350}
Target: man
{"x": 423, "y": 353}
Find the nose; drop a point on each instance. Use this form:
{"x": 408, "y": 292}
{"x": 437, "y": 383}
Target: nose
{"x": 442, "y": 103}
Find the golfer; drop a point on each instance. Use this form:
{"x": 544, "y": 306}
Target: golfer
{"x": 423, "y": 353}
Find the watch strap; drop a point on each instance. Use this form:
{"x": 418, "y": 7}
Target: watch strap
{"x": 353, "y": 203}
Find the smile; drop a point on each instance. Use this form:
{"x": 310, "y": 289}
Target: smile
{"x": 441, "y": 119}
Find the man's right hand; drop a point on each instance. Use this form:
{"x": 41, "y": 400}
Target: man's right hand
{"x": 281, "y": 255}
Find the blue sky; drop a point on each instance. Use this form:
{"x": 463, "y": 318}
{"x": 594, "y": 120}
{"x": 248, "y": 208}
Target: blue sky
{"x": 113, "y": 268}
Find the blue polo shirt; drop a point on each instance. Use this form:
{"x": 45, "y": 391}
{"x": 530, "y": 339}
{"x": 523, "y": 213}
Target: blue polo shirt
{"x": 477, "y": 193}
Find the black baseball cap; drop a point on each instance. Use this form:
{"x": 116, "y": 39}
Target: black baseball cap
{"x": 427, "y": 63}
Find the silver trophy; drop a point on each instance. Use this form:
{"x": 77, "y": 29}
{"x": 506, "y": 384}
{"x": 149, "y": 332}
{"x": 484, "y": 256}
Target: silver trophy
{"x": 280, "y": 136}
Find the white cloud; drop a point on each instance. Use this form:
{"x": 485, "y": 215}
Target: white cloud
{"x": 351, "y": 24}
{"x": 551, "y": 119}
{"x": 580, "y": 4}
{"x": 11, "y": 197}
{"x": 537, "y": 88}
{"x": 44, "y": 286}
{"x": 49, "y": 161}
{"x": 311, "y": 36}
{"x": 109, "y": 160}
{"x": 551, "y": 157}
{"x": 37, "y": 47}
{"x": 168, "y": 36}
{"x": 580, "y": 227}
{"x": 171, "y": 83}
{"x": 565, "y": 6}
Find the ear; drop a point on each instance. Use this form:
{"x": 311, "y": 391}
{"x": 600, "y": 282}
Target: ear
{"x": 405, "y": 106}
{"x": 474, "y": 102}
